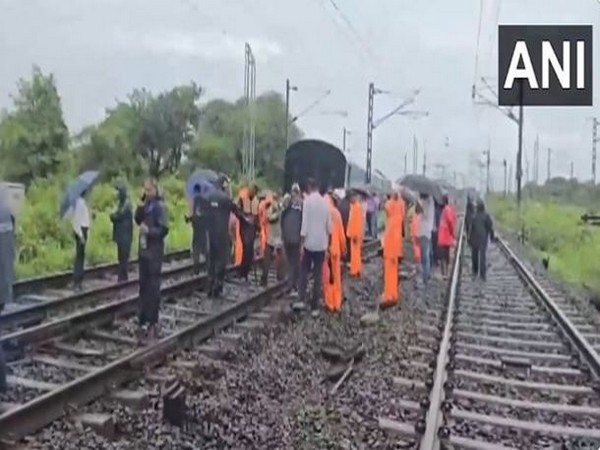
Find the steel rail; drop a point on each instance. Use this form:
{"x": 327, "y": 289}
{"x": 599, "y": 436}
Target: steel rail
{"x": 41, "y": 310}
{"x": 39, "y": 412}
{"x": 26, "y": 419}
{"x": 567, "y": 327}
{"x": 82, "y": 320}
{"x": 430, "y": 439}
{"x": 28, "y": 285}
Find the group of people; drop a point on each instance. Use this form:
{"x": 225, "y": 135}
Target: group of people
{"x": 304, "y": 234}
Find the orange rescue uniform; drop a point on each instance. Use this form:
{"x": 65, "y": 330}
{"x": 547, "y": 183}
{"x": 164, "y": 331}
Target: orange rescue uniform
{"x": 355, "y": 232}
{"x": 332, "y": 266}
{"x": 239, "y": 248}
{"x": 414, "y": 235}
{"x": 392, "y": 249}
{"x": 263, "y": 222}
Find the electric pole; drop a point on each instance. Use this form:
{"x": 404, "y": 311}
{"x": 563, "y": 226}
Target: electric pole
{"x": 520, "y": 151}
{"x": 488, "y": 160}
{"x": 536, "y": 160}
{"x": 549, "y": 164}
{"x": 371, "y": 125}
{"x": 415, "y": 154}
{"x": 249, "y": 140}
{"x": 288, "y": 88}
{"x": 510, "y": 178}
{"x": 571, "y": 177}
{"x": 594, "y": 141}
{"x": 424, "y": 162}
{"x": 370, "y": 133}
{"x": 348, "y": 169}
{"x": 405, "y": 163}
{"x": 505, "y": 178}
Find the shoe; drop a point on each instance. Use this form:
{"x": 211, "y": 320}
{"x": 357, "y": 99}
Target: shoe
{"x": 152, "y": 333}
{"x": 314, "y": 313}
{"x": 294, "y": 294}
{"x": 141, "y": 334}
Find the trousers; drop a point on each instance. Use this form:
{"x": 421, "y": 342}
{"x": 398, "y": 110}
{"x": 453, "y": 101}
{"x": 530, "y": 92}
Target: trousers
{"x": 478, "y": 260}
{"x": 149, "y": 290}
{"x": 78, "y": 263}
{"x": 123, "y": 252}
{"x": 311, "y": 262}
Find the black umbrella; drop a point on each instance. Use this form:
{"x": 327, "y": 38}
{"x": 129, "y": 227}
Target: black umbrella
{"x": 423, "y": 185}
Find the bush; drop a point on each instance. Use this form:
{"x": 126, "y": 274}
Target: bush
{"x": 46, "y": 243}
{"x": 555, "y": 230}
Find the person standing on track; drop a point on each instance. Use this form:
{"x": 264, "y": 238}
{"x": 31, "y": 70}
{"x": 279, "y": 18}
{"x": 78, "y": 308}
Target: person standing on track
{"x": 248, "y": 204}
{"x": 273, "y": 249}
{"x": 7, "y": 271}
{"x": 218, "y": 209}
{"x": 392, "y": 249}
{"x": 199, "y": 225}
{"x": 315, "y": 234}
{"x": 344, "y": 209}
{"x": 482, "y": 230}
{"x": 81, "y": 226}
{"x": 355, "y": 232}
{"x": 291, "y": 224}
{"x": 414, "y": 233}
{"x": 332, "y": 267}
{"x": 122, "y": 220}
{"x": 446, "y": 233}
{"x": 151, "y": 216}
{"x": 425, "y": 229}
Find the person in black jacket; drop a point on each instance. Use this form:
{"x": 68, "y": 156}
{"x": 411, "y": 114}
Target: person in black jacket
{"x": 151, "y": 216}
{"x": 469, "y": 215}
{"x": 482, "y": 230}
{"x": 217, "y": 210}
{"x": 122, "y": 220}
{"x": 199, "y": 228}
{"x": 291, "y": 224}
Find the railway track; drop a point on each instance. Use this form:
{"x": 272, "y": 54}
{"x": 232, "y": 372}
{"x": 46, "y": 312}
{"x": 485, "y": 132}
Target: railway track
{"x": 46, "y": 286}
{"x": 36, "y": 302}
{"x": 502, "y": 364}
{"x": 91, "y": 356}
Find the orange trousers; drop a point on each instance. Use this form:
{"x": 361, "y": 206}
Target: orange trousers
{"x": 390, "y": 281}
{"x": 239, "y": 247}
{"x": 332, "y": 292}
{"x": 355, "y": 258}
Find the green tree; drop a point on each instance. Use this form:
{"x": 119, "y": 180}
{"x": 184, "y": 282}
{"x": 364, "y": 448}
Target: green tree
{"x": 167, "y": 125}
{"x": 33, "y": 137}
{"x": 110, "y": 147}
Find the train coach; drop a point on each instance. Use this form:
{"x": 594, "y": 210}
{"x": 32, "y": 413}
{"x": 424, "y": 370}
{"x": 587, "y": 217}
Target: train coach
{"x": 312, "y": 158}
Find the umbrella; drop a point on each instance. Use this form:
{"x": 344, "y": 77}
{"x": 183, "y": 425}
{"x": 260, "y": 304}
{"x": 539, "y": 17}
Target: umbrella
{"x": 82, "y": 183}
{"x": 422, "y": 185}
{"x": 205, "y": 178}
{"x": 408, "y": 195}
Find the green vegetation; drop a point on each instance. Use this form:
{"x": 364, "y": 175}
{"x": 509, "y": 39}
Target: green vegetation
{"x": 554, "y": 229}
{"x": 168, "y": 135}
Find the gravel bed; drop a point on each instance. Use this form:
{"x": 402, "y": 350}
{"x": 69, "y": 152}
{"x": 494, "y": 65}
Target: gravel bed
{"x": 19, "y": 394}
{"x": 43, "y": 372}
{"x": 270, "y": 393}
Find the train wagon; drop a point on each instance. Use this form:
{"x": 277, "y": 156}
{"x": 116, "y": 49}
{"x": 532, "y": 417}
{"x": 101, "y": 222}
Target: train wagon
{"x": 312, "y": 158}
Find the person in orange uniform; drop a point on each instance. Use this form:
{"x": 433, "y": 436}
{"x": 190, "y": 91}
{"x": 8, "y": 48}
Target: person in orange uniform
{"x": 414, "y": 234}
{"x": 332, "y": 266}
{"x": 263, "y": 222}
{"x": 355, "y": 232}
{"x": 446, "y": 232}
{"x": 239, "y": 247}
{"x": 392, "y": 248}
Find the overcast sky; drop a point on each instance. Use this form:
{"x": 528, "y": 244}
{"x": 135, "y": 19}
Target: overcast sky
{"x": 100, "y": 50}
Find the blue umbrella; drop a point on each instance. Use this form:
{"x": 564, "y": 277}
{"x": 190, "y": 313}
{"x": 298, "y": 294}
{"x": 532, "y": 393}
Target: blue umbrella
{"x": 205, "y": 178}
{"x": 76, "y": 188}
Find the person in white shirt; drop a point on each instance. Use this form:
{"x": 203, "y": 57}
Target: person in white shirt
{"x": 426, "y": 224}
{"x": 81, "y": 226}
{"x": 315, "y": 234}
